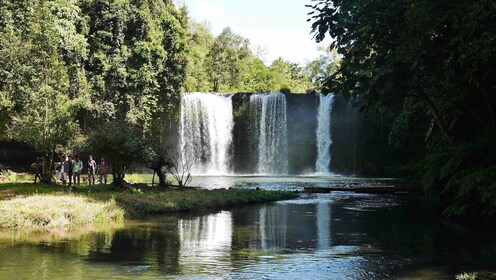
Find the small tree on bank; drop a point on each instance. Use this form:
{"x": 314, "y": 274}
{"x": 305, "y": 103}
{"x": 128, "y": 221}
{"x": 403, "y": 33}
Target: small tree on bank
{"x": 180, "y": 169}
{"x": 118, "y": 143}
{"x": 159, "y": 161}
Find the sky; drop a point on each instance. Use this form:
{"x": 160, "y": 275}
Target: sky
{"x": 280, "y": 27}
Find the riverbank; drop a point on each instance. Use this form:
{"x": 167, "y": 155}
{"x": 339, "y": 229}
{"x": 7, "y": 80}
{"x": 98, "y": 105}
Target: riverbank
{"x": 52, "y": 211}
{"x": 132, "y": 202}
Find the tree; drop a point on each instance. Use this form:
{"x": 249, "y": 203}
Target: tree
{"x": 137, "y": 60}
{"x": 119, "y": 144}
{"x": 180, "y": 167}
{"x": 258, "y": 78}
{"x": 40, "y": 110}
{"x": 226, "y": 59}
{"x": 289, "y": 76}
{"x": 227, "y": 64}
{"x": 159, "y": 161}
{"x": 199, "y": 42}
{"x": 68, "y": 67}
{"x": 324, "y": 66}
{"x": 425, "y": 63}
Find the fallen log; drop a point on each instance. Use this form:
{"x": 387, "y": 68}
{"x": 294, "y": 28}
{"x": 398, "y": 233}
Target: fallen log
{"x": 362, "y": 189}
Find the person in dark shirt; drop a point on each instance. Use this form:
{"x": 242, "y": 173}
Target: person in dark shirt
{"x": 38, "y": 169}
{"x": 91, "y": 170}
{"x": 103, "y": 170}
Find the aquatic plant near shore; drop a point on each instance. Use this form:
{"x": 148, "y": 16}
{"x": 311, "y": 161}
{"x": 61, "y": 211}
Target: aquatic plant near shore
{"x": 47, "y": 211}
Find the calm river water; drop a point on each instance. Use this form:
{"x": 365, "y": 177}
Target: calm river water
{"x": 321, "y": 236}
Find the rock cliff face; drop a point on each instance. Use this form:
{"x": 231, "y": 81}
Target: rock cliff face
{"x": 301, "y": 125}
{"x": 243, "y": 160}
{"x": 359, "y": 142}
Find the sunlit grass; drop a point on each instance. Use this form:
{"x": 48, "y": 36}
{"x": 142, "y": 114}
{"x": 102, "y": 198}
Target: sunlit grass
{"x": 196, "y": 200}
{"x": 46, "y": 211}
{"x": 147, "y": 201}
{"x": 18, "y": 177}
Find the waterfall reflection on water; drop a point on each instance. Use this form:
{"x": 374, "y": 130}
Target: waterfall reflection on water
{"x": 205, "y": 240}
{"x": 348, "y": 236}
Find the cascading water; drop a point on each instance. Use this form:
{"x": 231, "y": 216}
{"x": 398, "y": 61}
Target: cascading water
{"x": 324, "y": 137}
{"x": 206, "y": 132}
{"x": 268, "y": 112}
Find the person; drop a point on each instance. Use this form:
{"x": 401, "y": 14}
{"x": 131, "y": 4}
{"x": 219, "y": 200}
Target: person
{"x": 64, "y": 169}
{"x": 76, "y": 170}
{"x": 71, "y": 168}
{"x": 91, "y": 170}
{"x": 38, "y": 168}
{"x": 103, "y": 170}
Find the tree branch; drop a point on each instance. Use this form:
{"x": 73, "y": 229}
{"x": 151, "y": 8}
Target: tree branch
{"x": 437, "y": 118}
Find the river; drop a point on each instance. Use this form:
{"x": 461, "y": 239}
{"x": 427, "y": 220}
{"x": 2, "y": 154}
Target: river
{"x": 317, "y": 236}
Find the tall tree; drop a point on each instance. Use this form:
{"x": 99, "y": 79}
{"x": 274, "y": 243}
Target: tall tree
{"x": 290, "y": 76}
{"x": 41, "y": 110}
{"x": 137, "y": 60}
{"x": 322, "y": 67}
{"x": 227, "y": 58}
{"x": 199, "y": 42}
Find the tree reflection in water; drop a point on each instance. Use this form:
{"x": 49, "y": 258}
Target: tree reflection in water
{"x": 347, "y": 236}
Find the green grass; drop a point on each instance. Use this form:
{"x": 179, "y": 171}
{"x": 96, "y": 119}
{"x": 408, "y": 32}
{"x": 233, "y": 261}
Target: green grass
{"x": 195, "y": 200}
{"x": 11, "y": 190}
{"x": 48, "y": 211}
{"x": 147, "y": 200}
{"x": 140, "y": 178}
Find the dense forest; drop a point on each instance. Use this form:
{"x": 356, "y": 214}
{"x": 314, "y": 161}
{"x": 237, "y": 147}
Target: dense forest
{"x": 430, "y": 67}
{"x": 73, "y": 72}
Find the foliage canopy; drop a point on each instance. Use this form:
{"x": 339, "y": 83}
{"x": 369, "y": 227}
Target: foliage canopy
{"x": 430, "y": 66}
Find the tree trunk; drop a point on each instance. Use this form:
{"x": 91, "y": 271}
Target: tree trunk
{"x": 118, "y": 176}
{"x": 162, "y": 179}
{"x": 47, "y": 167}
{"x": 216, "y": 86}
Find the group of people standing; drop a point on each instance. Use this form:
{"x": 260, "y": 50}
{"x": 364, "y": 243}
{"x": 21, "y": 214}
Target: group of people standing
{"x": 71, "y": 167}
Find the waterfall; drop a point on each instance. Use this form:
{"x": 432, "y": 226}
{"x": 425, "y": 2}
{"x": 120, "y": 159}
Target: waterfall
{"x": 269, "y": 132}
{"x": 206, "y": 132}
{"x": 324, "y": 137}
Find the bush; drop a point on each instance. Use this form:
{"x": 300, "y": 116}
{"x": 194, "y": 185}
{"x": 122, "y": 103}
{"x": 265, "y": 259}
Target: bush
{"x": 462, "y": 179}
{"x": 118, "y": 143}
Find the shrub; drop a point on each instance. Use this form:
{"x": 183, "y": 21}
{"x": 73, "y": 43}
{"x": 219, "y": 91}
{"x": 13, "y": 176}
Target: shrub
{"x": 118, "y": 143}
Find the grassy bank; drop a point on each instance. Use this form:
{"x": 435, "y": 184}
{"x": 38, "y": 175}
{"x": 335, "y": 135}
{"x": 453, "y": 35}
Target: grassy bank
{"x": 37, "y": 204}
{"x": 46, "y": 211}
{"x": 195, "y": 200}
